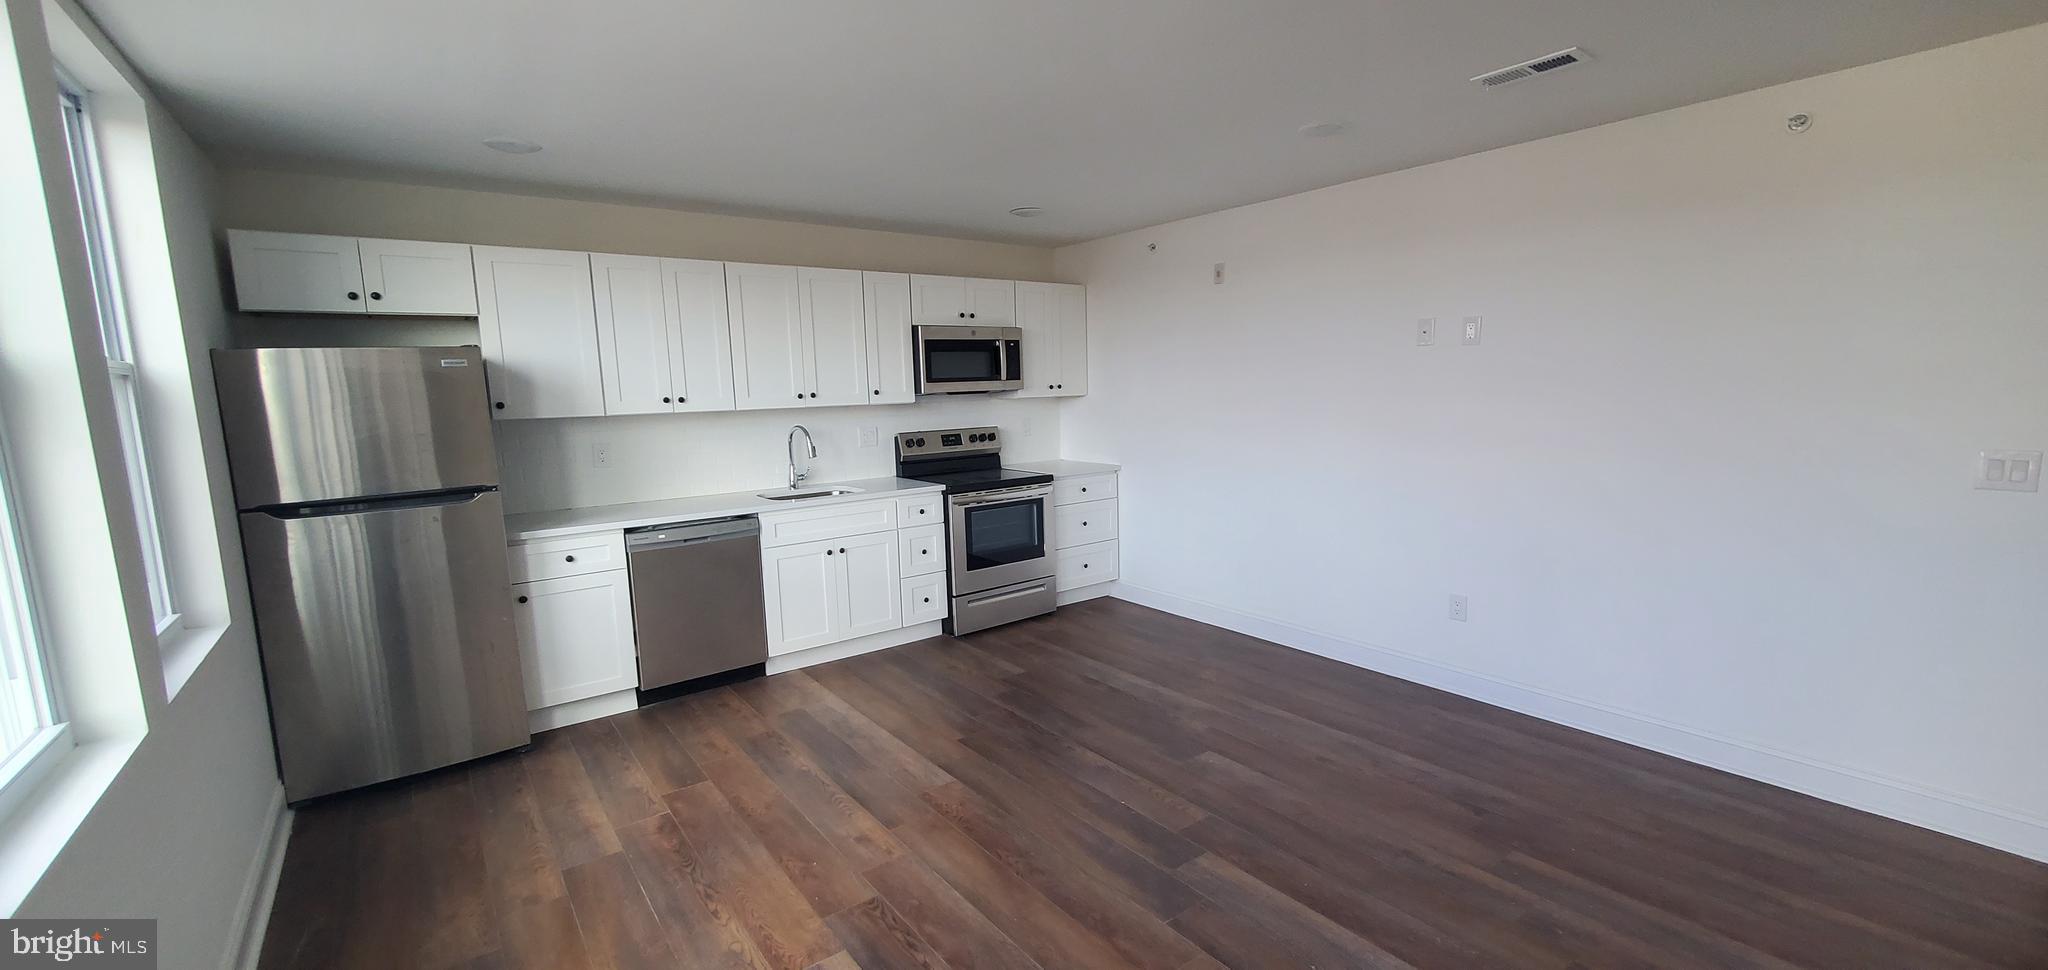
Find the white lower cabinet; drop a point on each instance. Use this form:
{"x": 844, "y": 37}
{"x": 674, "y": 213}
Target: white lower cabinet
{"x": 923, "y": 549}
{"x": 1084, "y": 565}
{"x": 830, "y": 590}
{"x": 575, "y": 637}
{"x": 924, "y": 599}
{"x": 1084, "y": 522}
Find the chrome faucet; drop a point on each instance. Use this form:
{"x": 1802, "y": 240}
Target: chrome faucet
{"x": 810, "y": 445}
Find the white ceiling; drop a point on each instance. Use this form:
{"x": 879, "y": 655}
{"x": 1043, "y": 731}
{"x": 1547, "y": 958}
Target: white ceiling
{"x": 941, "y": 115}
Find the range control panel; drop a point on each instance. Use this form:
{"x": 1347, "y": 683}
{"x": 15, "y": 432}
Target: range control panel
{"x": 957, "y": 441}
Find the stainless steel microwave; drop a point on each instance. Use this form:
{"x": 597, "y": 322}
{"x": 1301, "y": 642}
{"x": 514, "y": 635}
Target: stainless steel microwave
{"x": 967, "y": 360}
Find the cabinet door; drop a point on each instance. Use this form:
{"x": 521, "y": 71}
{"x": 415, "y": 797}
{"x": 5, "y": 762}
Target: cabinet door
{"x": 575, "y": 637}
{"x": 801, "y": 587}
{"x": 699, "y": 346}
{"x": 1071, "y": 305}
{"x": 889, "y": 376}
{"x": 768, "y": 363}
{"x": 539, "y": 332}
{"x": 420, "y": 278}
{"x": 991, "y": 303}
{"x": 286, "y": 272}
{"x": 938, "y": 300}
{"x": 632, "y": 333}
{"x": 1038, "y": 316}
{"x": 836, "y": 335}
{"x": 873, "y": 600}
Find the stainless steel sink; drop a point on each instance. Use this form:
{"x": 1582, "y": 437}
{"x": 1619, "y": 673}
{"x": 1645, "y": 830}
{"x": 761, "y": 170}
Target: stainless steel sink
{"x": 806, "y": 493}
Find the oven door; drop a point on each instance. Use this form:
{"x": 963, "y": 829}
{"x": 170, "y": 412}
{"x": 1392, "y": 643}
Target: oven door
{"x": 999, "y": 538}
{"x": 966, "y": 360}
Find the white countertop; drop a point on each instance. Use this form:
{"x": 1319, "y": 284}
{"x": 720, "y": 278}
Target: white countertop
{"x": 1061, "y": 468}
{"x": 632, "y": 515}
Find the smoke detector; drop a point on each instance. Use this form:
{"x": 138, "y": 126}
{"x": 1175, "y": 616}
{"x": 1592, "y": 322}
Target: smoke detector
{"x": 1528, "y": 69}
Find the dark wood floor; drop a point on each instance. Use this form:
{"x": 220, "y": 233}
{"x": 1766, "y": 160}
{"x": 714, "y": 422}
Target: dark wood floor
{"x": 1114, "y": 786}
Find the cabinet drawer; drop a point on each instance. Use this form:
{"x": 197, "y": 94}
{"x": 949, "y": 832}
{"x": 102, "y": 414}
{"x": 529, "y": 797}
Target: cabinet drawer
{"x": 928, "y": 509}
{"x": 1085, "y": 565}
{"x": 567, "y": 556}
{"x": 830, "y": 522}
{"x": 923, "y": 549}
{"x": 1083, "y": 523}
{"x": 1068, "y": 491}
{"x": 924, "y": 599}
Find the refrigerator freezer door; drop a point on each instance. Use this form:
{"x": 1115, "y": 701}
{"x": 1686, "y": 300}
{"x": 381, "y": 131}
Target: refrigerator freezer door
{"x": 388, "y": 644}
{"x": 320, "y": 424}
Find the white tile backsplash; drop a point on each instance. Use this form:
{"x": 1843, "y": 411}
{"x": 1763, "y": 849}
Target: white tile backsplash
{"x": 551, "y": 464}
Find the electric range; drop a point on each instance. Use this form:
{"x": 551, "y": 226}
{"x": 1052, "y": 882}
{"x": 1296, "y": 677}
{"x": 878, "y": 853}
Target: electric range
{"x": 999, "y": 542}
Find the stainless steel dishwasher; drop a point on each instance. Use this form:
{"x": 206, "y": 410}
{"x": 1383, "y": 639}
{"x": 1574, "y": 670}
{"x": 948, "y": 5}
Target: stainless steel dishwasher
{"x": 697, "y": 607}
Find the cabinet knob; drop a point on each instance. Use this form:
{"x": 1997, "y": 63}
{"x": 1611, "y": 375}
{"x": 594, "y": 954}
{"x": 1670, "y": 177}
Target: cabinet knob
{"x": 374, "y": 295}
{"x": 573, "y": 558}
{"x": 963, "y": 314}
{"x": 499, "y": 405}
{"x": 1061, "y": 386}
{"x": 1084, "y": 521}
{"x": 814, "y": 393}
{"x": 352, "y": 295}
{"x": 970, "y": 316}
{"x": 522, "y": 599}
{"x": 665, "y": 400}
{"x": 1084, "y": 565}
{"x": 828, "y": 552}
{"x": 1048, "y": 387}
{"x": 878, "y": 391}
{"x": 1084, "y": 489}
{"x": 682, "y": 400}
{"x": 842, "y": 550}
{"x": 927, "y": 599}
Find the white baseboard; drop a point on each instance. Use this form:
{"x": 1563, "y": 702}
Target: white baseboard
{"x": 854, "y": 647}
{"x": 587, "y": 709}
{"x": 1944, "y": 812}
{"x": 259, "y": 890}
{"x": 1085, "y": 593}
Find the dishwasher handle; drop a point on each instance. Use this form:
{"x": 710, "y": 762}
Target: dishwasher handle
{"x": 650, "y": 538}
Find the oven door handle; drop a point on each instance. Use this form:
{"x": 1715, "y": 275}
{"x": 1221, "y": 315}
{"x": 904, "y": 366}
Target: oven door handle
{"x": 1020, "y": 493}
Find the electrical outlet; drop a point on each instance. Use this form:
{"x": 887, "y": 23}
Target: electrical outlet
{"x": 1219, "y": 274}
{"x": 601, "y": 455}
{"x": 1024, "y": 426}
{"x": 2009, "y": 471}
{"x": 1471, "y": 335}
{"x": 1425, "y": 332}
{"x": 1460, "y": 611}
{"x": 869, "y": 436}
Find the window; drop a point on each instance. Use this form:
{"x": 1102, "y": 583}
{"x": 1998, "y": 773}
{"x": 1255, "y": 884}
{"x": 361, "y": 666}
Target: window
{"x": 27, "y": 722}
{"x": 114, "y": 337}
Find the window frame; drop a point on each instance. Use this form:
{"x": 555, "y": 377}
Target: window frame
{"x": 124, "y": 378}
{"x": 24, "y": 767}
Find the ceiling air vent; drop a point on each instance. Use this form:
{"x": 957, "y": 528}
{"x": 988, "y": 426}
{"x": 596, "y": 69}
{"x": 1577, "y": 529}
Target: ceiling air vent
{"x": 1528, "y": 69}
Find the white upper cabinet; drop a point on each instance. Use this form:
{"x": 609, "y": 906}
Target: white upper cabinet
{"x": 418, "y": 278}
{"x": 889, "y": 376}
{"x": 699, "y": 345}
{"x": 283, "y": 272}
{"x": 539, "y": 330}
{"x": 991, "y": 303}
{"x": 834, "y": 312}
{"x": 632, "y": 333}
{"x": 767, "y": 332}
{"x": 1054, "y": 318}
{"x": 296, "y": 272}
{"x": 938, "y": 301}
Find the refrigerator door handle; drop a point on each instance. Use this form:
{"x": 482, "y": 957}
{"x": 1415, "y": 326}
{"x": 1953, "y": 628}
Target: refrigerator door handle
{"x": 395, "y": 503}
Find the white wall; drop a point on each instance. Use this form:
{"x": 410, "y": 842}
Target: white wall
{"x": 181, "y": 832}
{"x": 1707, "y": 480}
{"x": 548, "y": 464}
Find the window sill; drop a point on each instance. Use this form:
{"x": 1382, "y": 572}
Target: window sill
{"x": 46, "y": 819}
{"x": 183, "y": 650}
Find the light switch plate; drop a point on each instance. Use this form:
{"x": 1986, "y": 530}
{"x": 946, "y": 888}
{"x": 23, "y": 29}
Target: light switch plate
{"x": 1471, "y": 335}
{"x": 1425, "y": 332}
{"x": 870, "y": 436}
{"x": 1219, "y": 274}
{"x": 2009, "y": 471}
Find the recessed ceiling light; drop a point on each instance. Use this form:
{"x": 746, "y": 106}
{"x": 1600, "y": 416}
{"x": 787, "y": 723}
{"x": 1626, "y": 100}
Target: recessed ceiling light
{"x": 1026, "y": 211}
{"x": 1321, "y": 129}
{"x": 511, "y": 146}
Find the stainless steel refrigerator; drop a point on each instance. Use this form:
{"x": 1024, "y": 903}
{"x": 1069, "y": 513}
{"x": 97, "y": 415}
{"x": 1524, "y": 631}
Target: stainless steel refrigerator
{"x": 375, "y": 539}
